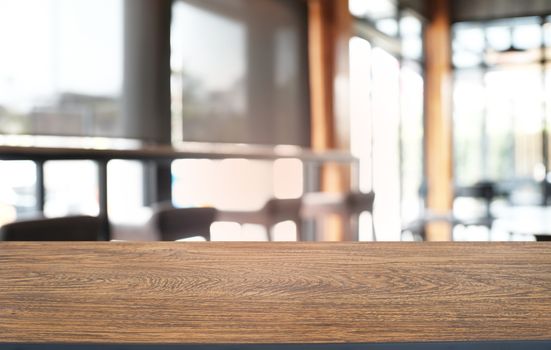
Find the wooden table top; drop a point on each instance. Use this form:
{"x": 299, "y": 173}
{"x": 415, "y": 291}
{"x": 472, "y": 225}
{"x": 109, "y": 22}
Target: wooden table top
{"x": 274, "y": 292}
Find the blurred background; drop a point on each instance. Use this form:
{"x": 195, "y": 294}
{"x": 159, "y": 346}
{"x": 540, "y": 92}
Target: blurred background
{"x": 441, "y": 107}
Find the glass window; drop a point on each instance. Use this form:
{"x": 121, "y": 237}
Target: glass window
{"x": 465, "y": 59}
{"x": 411, "y": 32}
{"x": 386, "y": 143}
{"x": 547, "y": 103}
{"x": 203, "y": 182}
{"x": 514, "y": 41}
{"x": 468, "y": 45}
{"x": 499, "y": 37}
{"x": 17, "y": 190}
{"x": 469, "y": 123}
{"x": 373, "y": 9}
{"x": 361, "y": 121}
{"x": 498, "y": 120}
{"x": 382, "y": 13}
{"x": 126, "y": 189}
{"x": 360, "y": 108}
{"x": 469, "y": 38}
{"x": 71, "y": 188}
{"x": 499, "y": 108}
{"x": 547, "y": 32}
{"x": 288, "y": 178}
{"x": 388, "y": 26}
{"x": 411, "y": 139}
{"x": 375, "y": 138}
{"x": 61, "y": 67}
{"x": 514, "y": 121}
{"x": 243, "y": 80}
{"x": 387, "y": 116}
{"x": 527, "y": 36}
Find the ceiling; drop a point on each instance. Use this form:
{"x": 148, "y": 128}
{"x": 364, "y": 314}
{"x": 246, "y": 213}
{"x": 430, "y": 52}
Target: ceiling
{"x": 469, "y": 10}
{"x": 418, "y": 5}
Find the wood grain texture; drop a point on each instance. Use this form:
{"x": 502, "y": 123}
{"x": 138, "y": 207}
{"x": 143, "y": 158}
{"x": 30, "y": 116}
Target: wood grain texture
{"x": 273, "y": 292}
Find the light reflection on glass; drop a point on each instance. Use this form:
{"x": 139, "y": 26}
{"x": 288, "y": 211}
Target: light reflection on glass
{"x": 17, "y": 190}
{"x": 386, "y": 141}
{"x": 382, "y": 13}
{"x": 71, "y": 188}
{"x": 470, "y": 39}
{"x": 288, "y": 178}
{"x": 61, "y": 72}
{"x": 205, "y": 87}
{"x": 386, "y": 110}
{"x": 469, "y": 99}
{"x": 499, "y": 38}
{"x": 411, "y": 32}
{"x": 527, "y": 36}
{"x": 217, "y": 183}
{"x": 412, "y": 92}
{"x": 238, "y": 72}
{"x": 514, "y": 121}
{"x": 374, "y": 9}
{"x": 360, "y": 108}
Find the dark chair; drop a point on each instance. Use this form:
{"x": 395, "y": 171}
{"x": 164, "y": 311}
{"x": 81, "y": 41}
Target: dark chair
{"x": 356, "y": 204}
{"x": 70, "y": 228}
{"x": 482, "y": 190}
{"x": 172, "y": 223}
{"x": 359, "y": 202}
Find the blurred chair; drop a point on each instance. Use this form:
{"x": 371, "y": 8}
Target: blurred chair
{"x": 274, "y": 211}
{"x": 418, "y": 227}
{"x": 347, "y": 205}
{"x": 172, "y": 223}
{"x": 70, "y": 228}
{"x": 359, "y": 202}
{"x": 484, "y": 191}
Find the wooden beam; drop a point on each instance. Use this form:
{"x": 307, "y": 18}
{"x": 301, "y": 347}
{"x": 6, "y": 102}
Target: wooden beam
{"x": 438, "y": 120}
{"x": 330, "y": 26}
{"x": 329, "y": 34}
{"x": 321, "y": 62}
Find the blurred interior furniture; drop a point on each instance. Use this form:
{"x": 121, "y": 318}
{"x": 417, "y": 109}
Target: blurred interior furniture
{"x": 274, "y": 211}
{"x": 484, "y": 191}
{"x": 348, "y": 206}
{"x": 182, "y": 293}
{"x": 418, "y": 227}
{"x": 315, "y": 205}
{"x": 161, "y": 155}
{"x": 70, "y": 228}
{"x": 525, "y": 220}
{"x": 171, "y": 224}
{"x": 135, "y": 225}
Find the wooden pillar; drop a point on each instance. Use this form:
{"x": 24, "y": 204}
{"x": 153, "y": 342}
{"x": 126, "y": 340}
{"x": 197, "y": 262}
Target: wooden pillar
{"x": 321, "y": 62}
{"x": 329, "y": 34}
{"x": 438, "y": 120}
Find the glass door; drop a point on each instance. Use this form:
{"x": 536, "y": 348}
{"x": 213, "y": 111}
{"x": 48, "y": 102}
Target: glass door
{"x": 375, "y": 106}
